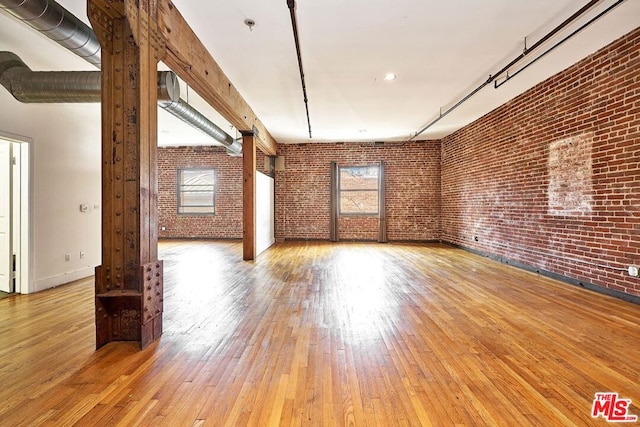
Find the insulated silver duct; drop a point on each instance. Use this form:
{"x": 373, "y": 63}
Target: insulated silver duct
{"x": 235, "y": 149}
{"x": 186, "y": 112}
{"x": 47, "y": 86}
{"x": 61, "y": 26}
{"x": 68, "y": 86}
{"x": 57, "y": 23}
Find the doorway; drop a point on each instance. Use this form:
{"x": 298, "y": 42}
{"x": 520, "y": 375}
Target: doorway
{"x": 14, "y": 215}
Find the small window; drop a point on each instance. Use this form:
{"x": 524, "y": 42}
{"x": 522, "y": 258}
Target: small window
{"x": 196, "y": 191}
{"x": 359, "y": 190}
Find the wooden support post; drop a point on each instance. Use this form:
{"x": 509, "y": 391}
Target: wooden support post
{"x": 382, "y": 205}
{"x": 248, "y": 196}
{"x": 129, "y": 282}
{"x": 334, "y": 202}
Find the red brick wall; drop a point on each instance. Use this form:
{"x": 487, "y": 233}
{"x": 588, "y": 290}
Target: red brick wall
{"x": 262, "y": 165}
{"x": 227, "y": 221}
{"x": 413, "y": 190}
{"x": 552, "y": 178}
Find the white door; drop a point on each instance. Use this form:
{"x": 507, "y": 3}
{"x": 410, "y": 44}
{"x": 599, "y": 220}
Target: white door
{"x": 6, "y": 267}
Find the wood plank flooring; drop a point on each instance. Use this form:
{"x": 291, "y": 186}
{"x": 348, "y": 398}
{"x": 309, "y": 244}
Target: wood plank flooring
{"x": 322, "y": 334}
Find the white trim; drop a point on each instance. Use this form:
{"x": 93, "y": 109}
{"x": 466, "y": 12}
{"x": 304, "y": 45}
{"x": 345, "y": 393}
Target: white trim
{"x": 26, "y": 258}
{"x": 16, "y": 208}
{"x": 27, "y": 247}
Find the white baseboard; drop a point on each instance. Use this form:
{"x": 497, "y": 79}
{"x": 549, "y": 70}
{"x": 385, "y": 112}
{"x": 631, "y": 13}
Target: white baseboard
{"x": 61, "y": 279}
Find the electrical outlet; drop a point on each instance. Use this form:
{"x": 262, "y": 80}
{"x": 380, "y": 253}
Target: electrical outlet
{"x": 81, "y": 255}
{"x": 633, "y": 270}
{"x": 67, "y": 257}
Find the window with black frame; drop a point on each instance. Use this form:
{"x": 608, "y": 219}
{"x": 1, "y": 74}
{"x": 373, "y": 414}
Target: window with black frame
{"x": 359, "y": 188}
{"x": 196, "y": 191}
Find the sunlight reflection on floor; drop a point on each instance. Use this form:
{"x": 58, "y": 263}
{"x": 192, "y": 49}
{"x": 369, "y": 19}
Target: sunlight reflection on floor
{"x": 201, "y": 276}
{"x": 363, "y": 292}
{"x": 200, "y": 301}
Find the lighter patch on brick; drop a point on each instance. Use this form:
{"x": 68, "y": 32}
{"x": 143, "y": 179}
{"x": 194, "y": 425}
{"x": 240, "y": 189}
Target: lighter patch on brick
{"x": 570, "y": 190}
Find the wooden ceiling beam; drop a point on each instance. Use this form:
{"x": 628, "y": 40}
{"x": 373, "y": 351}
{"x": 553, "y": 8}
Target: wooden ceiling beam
{"x": 189, "y": 59}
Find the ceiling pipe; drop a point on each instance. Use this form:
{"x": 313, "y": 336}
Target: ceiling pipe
{"x": 47, "y": 86}
{"x": 509, "y": 76}
{"x": 236, "y": 148}
{"x": 291, "y": 4}
{"x": 517, "y": 59}
{"x": 57, "y": 87}
{"x": 190, "y": 115}
{"x": 57, "y": 23}
{"x": 85, "y": 86}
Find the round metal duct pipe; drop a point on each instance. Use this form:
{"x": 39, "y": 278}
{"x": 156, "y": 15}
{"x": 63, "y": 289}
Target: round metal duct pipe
{"x": 68, "y": 86}
{"x": 169, "y": 100}
{"x": 85, "y": 86}
{"x": 57, "y": 23}
{"x": 190, "y": 115}
{"x": 47, "y": 86}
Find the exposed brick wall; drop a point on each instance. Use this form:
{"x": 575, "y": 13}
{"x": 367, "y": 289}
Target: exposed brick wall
{"x": 227, "y": 221}
{"x": 553, "y": 177}
{"x": 412, "y": 189}
{"x": 549, "y": 179}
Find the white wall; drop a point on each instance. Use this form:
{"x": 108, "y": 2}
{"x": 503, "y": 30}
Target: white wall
{"x": 265, "y": 213}
{"x": 65, "y": 167}
{"x": 65, "y": 173}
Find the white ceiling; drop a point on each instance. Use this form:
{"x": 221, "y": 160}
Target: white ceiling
{"x": 439, "y": 50}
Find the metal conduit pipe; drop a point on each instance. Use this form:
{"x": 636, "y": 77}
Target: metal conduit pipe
{"x": 493, "y": 77}
{"x": 291, "y": 4}
{"x": 57, "y": 23}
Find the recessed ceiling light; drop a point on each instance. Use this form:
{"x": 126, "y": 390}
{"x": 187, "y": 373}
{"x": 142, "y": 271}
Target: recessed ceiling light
{"x": 390, "y": 77}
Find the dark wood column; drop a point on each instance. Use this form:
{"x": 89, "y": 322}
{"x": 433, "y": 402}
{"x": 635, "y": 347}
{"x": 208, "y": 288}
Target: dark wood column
{"x": 382, "y": 205}
{"x": 129, "y": 281}
{"x": 248, "y": 196}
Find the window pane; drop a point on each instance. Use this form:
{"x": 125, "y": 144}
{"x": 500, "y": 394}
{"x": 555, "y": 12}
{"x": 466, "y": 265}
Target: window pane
{"x": 196, "y": 191}
{"x": 359, "y": 202}
{"x": 359, "y": 190}
{"x": 196, "y": 209}
{"x": 197, "y": 176}
{"x": 196, "y": 199}
{"x": 359, "y": 178}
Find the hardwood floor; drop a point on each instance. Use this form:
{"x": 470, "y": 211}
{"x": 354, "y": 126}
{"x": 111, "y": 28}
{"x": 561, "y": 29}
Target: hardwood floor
{"x": 326, "y": 334}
